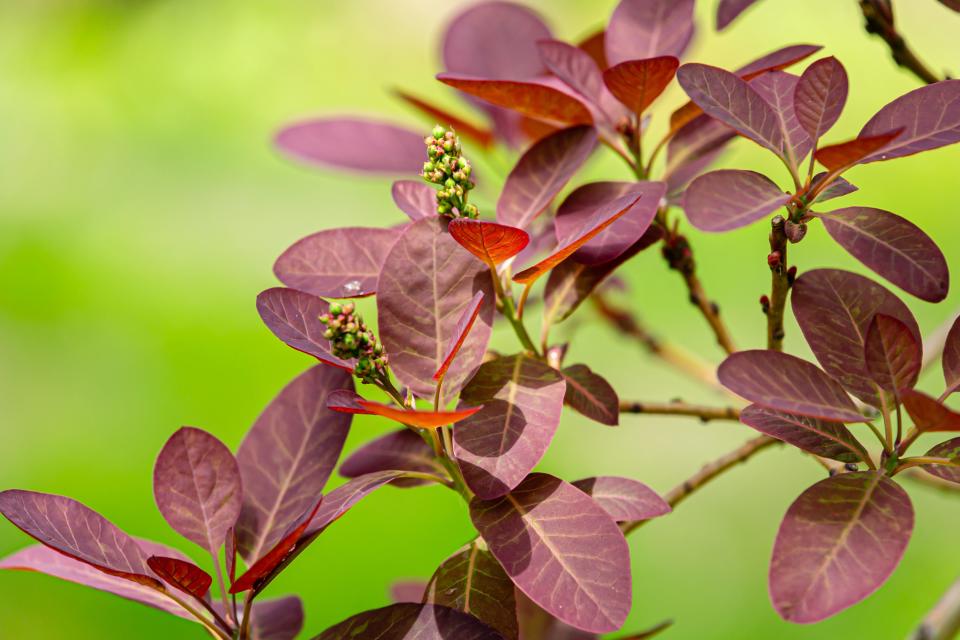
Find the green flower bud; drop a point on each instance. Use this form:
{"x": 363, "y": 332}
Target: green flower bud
{"x": 335, "y": 309}
{"x": 328, "y": 334}
{"x": 438, "y": 132}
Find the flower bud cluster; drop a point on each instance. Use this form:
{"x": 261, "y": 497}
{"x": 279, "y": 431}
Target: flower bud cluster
{"x": 448, "y": 169}
{"x": 350, "y": 338}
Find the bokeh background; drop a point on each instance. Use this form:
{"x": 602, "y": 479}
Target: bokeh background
{"x": 141, "y": 208}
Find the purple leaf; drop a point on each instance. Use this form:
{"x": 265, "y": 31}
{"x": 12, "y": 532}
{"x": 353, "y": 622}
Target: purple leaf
{"x": 196, "y": 483}
{"x": 693, "y": 148}
{"x": 950, "y": 450}
{"x": 532, "y": 99}
{"x": 294, "y": 317}
{"x": 820, "y": 96}
{"x": 347, "y": 143}
{"x": 929, "y": 414}
{"x": 777, "y": 60}
{"x": 584, "y": 203}
{"x": 535, "y": 623}
{"x": 400, "y": 450}
{"x": 561, "y": 549}
{"x": 541, "y": 173}
{"x": 497, "y": 447}
{"x": 893, "y": 247}
{"x": 416, "y": 323}
{"x": 780, "y": 381}
{"x": 415, "y": 198}
{"x": 951, "y": 358}
{"x": 287, "y": 457}
{"x": 182, "y": 575}
{"x": 75, "y": 530}
{"x": 624, "y": 499}
{"x": 464, "y": 324}
{"x": 778, "y": 88}
{"x": 472, "y": 581}
{"x": 892, "y": 354}
{"x": 280, "y": 619}
{"x": 834, "y": 309}
{"x": 732, "y": 101}
{"x": 731, "y": 198}
{"x": 340, "y": 500}
{"x": 838, "y": 543}
{"x": 52, "y": 563}
{"x": 637, "y": 83}
{"x": 408, "y": 591}
{"x": 641, "y": 29}
{"x": 819, "y": 437}
{"x": 409, "y": 621}
{"x": 591, "y": 395}
{"x": 574, "y": 67}
{"x": 930, "y": 117}
{"x": 337, "y": 263}
{"x": 728, "y": 10}
{"x": 839, "y": 187}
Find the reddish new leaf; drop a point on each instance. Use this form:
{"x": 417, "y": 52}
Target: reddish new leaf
{"x": 75, "y": 530}
{"x": 819, "y": 437}
{"x": 731, "y": 198}
{"x": 472, "y": 581}
{"x": 584, "y": 203}
{"x": 642, "y": 29}
{"x": 624, "y": 499}
{"x": 728, "y": 10}
{"x": 183, "y": 575}
{"x": 780, "y": 381}
{"x": 427, "y": 282}
{"x": 732, "y": 101}
{"x": 838, "y": 543}
{"x": 526, "y": 98}
{"x": 287, "y": 457}
{"x": 347, "y": 143}
{"x": 951, "y": 358}
{"x": 464, "y": 324}
{"x": 637, "y": 83}
{"x": 929, "y": 414}
{"x": 929, "y": 116}
{"x": 892, "y": 354}
{"x": 402, "y": 450}
{"x": 411, "y": 621}
{"x": 294, "y": 317}
{"x": 596, "y": 222}
{"x": 951, "y": 451}
{"x": 820, "y": 96}
{"x": 561, "y": 549}
{"x": 337, "y": 263}
{"x": 411, "y": 417}
{"x": 522, "y": 401}
{"x": 340, "y": 500}
{"x": 838, "y": 187}
{"x": 591, "y": 395}
{"x": 893, "y": 247}
{"x": 491, "y": 242}
{"x": 834, "y": 309}
{"x": 843, "y": 155}
{"x": 481, "y": 136}
{"x": 594, "y": 46}
{"x": 196, "y": 483}
{"x": 778, "y": 88}
{"x": 415, "y": 198}
{"x": 541, "y": 173}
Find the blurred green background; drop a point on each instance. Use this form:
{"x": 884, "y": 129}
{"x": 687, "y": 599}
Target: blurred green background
{"x": 141, "y": 208}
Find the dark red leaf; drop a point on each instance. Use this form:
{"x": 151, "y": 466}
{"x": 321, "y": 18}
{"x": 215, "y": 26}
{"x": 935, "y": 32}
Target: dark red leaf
{"x": 731, "y": 198}
{"x": 637, "y": 83}
{"x": 491, "y": 242}
{"x": 546, "y": 534}
{"x": 481, "y": 136}
{"x": 464, "y": 324}
{"x": 584, "y": 203}
{"x": 591, "y": 395}
{"x": 411, "y": 417}
{"x": 642, "y": 29}
{"x": 929, "y": 117}
{"x": 527, "y": 98}
{"x": 196, "y": 483}
{"x": 728, "y": 10}
{"x": 819, "y": 437}
{"x": 838, "y": 543}
{"x": 929, "y": 414}
{"x": 893, "y": 247}
{"x": 340, "y": 500}
{"x": 416, "y": 324}
{"x": 843, "y": 155}
{"x": 780, "y": 381}
{"x": 183, "y": 575}
{"x": 472, "y": 581}
{"x": 294, "y": 317}
{"x": 410, "y": 621}
{"x": 337, "y": 263}
{"x": 599, "y": 220}
{"x": 820, "y": 96}
{"x": 522, "y": 401}
{"x": 834, "y": 309}
{"x": 542, "y": 172}
{"x": 287, "y": 457}
{"x": 778, "y": 88}
{"x": 951, "y": 358}
{"x": 624, "y": 499}
{"x": 347, "y": 143}
{"x": 950, "y": 450}
{"x": 402, "y": 450}
{"x": 892, "y": 354}
{"x": 415, "y": 198}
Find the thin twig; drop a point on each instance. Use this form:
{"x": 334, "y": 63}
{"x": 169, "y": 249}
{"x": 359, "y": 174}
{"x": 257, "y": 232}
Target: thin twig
{"x": 942, "y": 622}
{"x": 705, "y": 413}
{"x": 879, "y": 21}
